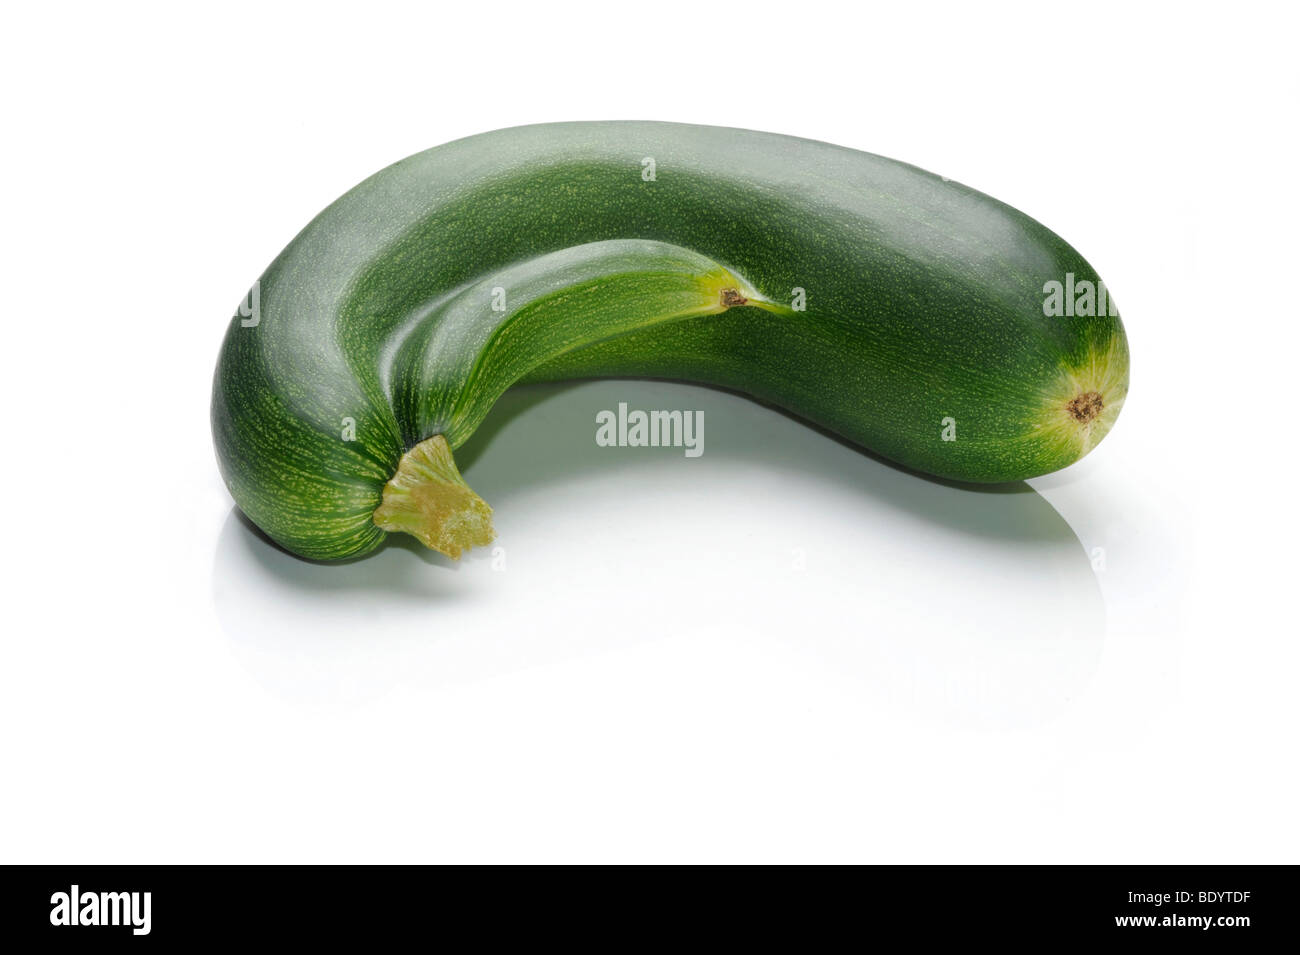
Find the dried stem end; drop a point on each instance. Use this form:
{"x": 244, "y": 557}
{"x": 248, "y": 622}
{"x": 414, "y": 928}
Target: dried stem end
{"x": 429, "y": 499}
{"x": 1083, "y": 408}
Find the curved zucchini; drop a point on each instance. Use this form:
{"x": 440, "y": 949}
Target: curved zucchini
{"x": 916, "y": 317}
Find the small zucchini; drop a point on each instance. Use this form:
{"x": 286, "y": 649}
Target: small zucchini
{"x": 912, "y": 315}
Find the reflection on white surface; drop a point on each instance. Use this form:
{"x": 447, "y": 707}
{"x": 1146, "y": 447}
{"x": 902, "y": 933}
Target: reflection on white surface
{"x": 937, "y": 603}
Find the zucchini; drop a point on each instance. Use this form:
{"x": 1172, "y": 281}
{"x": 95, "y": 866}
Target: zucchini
{"x": 914, "y": 316}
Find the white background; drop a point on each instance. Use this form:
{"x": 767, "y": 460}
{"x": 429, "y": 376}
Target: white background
{"x": 782, "y": 650}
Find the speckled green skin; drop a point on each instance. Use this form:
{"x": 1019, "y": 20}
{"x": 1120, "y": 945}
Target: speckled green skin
{"x": 924, "y": 302}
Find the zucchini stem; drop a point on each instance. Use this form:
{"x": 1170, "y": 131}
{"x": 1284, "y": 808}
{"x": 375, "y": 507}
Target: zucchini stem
{"x": 429, "y": 499}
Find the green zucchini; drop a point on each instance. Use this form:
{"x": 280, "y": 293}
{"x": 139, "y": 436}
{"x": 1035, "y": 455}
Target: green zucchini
{"x": 914, "y": 316}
